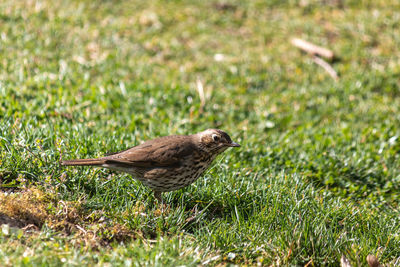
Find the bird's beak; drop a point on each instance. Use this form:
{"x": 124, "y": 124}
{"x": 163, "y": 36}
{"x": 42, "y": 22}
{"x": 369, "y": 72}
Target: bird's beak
{"x": 234, "y": 144}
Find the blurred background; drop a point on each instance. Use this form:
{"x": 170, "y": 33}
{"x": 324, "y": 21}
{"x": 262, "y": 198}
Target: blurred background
{"x": 82, "y": 78}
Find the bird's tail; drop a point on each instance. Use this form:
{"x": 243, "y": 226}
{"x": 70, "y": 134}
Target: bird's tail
{"x": 83, "y": 162}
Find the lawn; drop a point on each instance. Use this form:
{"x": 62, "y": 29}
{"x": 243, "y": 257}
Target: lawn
{"x": 318, "y": 173}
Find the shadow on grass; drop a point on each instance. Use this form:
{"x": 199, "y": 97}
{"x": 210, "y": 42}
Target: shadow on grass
{"x": 356, "y": 182}
{"x": 12, "y": 222}
{"x": 199, "y": 212}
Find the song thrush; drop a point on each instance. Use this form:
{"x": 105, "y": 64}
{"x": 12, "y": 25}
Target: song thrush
{"x": 167, "y": 163}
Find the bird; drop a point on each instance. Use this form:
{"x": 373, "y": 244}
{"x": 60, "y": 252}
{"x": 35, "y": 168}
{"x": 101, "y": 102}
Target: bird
{"x": 166, "y": 163}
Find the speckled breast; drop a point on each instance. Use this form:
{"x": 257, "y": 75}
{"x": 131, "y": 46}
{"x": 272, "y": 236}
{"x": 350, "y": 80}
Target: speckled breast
{"x": 173, "y": 178}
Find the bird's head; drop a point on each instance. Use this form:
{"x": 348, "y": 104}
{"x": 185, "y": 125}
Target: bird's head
{"x": 215, "y": 141}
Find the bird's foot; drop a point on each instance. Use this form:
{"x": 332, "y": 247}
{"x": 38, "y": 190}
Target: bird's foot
{"x": 157, "y": 195}
{"x": 164, "y": 207}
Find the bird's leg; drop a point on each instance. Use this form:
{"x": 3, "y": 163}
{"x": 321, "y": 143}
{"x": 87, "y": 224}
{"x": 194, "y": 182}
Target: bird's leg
{"x": 157, "y": 195}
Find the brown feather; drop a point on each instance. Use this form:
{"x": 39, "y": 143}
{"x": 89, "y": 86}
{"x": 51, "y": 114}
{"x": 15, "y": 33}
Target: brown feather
{"x": 165, "y": 151}
{"x": 83, "y": 162}
{"x": 160, "y": 152}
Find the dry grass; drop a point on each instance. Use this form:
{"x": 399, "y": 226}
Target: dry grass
{"x": 20, "y": 209}
{"x": 32, "y": 208}
{"x": 318, "y": 173}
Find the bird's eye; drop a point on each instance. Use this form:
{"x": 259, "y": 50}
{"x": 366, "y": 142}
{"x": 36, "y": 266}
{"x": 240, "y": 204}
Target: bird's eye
{"x": 215, "y": 137}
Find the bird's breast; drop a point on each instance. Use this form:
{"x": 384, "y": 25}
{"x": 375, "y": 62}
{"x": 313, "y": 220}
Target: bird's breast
{"x": 173, "y": 178}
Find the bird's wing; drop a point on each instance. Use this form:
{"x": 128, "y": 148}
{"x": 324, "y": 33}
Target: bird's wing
{"x": 161, "y": 152}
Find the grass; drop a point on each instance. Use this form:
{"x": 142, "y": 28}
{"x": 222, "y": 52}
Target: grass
{"x": 318, "y": 173}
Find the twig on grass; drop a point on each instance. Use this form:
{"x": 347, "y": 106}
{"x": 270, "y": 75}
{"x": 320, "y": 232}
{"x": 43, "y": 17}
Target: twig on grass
{"x": 317, "y": 52}
{"x": 200, "y": 90}
{"x": 312, "y": 48}
{"x": 325, "y": 65}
